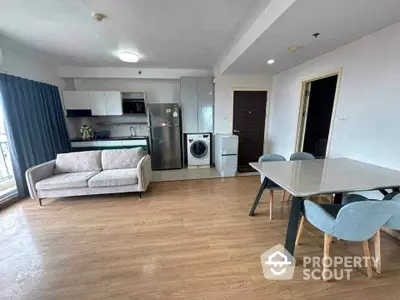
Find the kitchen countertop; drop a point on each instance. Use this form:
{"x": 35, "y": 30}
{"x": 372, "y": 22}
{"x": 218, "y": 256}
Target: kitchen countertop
{"x": 120, "y": 138}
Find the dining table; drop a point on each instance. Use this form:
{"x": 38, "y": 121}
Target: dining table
{"x": 305, "y": 178}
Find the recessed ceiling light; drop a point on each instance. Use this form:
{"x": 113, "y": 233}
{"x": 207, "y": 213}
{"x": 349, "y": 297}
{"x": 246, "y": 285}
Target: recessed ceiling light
{"x": 271, "y": 61}
{"x": 128, "y": 57}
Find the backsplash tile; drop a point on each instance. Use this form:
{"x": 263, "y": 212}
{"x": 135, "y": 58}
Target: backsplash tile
{"x": 74, "y": 125}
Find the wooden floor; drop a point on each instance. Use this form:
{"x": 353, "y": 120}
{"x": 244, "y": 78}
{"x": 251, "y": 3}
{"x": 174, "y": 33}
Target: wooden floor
{"x": 183, "y": 240}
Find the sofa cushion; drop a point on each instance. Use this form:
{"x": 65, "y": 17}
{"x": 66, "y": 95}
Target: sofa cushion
{"x": 121, "y": 159}
{"x": 66, "y": 180}
{"x": 117, "y": 177}
{"x": 73, "y": 162}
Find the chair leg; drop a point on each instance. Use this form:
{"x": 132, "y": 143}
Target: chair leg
{"x": 271, "y": 203}
{"x": 40, "y": 202}
{"x": 377, "y": 252}
{"x": 368, "y": 255}
{"x": 327, "y": 245}
{"x": 300, "y": 231}
{"x": 283, "y": 196}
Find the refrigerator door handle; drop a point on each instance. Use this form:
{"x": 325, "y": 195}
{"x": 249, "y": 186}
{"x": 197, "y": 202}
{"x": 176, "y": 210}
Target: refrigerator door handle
{"x": 166, "y": 126}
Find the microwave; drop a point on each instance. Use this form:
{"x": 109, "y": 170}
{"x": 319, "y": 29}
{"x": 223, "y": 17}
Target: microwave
{"x": 133, "y": 106}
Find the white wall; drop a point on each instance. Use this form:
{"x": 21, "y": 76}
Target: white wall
{"x": 369, "y": 97}
{"x": 157, "y": 90}
{"x": 223, "y": 93}
{"x": 21, "y": 61}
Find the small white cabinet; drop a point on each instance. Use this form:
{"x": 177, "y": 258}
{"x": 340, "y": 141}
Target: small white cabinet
{"x": 98, "y": 103}
{"x": 76, "y": 100}
{"x": 113, "y": 103}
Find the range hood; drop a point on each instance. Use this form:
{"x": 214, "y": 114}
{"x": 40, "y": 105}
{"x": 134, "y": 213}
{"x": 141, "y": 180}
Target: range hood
{"x": 133, "y": 96}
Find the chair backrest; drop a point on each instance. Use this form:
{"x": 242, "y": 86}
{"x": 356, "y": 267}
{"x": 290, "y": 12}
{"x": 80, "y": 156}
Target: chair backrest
{"x": 270, "y": 157}
{"x": 394, "y": 221}
{"x": 301, "y": 156}
{"x": 359, "y": 221}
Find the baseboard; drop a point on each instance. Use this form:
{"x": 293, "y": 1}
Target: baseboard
{"x": 9, "y": 201}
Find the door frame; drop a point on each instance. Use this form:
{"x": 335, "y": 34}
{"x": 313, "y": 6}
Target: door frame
{"x": 301, "y": 125}
{"x": 267, "y": 109}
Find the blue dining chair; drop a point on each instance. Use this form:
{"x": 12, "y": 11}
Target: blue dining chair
{"x": 393, "y": 223}
{"x": 301, "y": 156}
{"x": 271, "y": 186}
{"x": 356, "y": 222}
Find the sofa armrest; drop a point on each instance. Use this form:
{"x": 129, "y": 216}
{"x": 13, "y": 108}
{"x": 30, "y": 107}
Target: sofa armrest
{"x": 37, "y": 173}
{"x": 144, "y": 173}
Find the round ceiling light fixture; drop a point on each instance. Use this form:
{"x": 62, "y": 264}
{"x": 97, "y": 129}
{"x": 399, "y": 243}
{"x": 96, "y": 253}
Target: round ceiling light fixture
{"x": 271, "y": 61}
{"x": 129, "y": 57}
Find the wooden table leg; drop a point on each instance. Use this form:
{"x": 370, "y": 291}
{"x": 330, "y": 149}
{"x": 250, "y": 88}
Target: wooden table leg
{"x": 293, "y": 224}
{"x": 258, "y": 197}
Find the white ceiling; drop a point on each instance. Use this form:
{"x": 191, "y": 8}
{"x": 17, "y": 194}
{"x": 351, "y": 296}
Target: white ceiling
{"x": 165, "y": 33}
{"x": 192, "y": 34}
{"x": 338, "y": 21}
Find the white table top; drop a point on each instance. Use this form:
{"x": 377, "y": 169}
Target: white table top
{"x": 326, "y": 176}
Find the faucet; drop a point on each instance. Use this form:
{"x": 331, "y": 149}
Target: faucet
{"x": 133, "y": 131}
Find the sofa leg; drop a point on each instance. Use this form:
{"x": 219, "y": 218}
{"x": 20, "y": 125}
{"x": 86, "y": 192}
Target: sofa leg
{"x": 40, "y": 202}
{"x": 140, "y": 195}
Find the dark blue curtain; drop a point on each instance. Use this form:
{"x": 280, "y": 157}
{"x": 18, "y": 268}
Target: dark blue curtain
{"x": 34, "y": 123}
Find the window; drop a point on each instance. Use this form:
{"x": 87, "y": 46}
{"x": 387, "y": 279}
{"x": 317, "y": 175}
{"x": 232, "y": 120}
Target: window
{"x": 7, "y": 182}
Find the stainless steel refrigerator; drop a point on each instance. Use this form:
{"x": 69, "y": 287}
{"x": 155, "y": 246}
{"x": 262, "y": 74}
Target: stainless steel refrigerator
{"x": 166, "y": 136}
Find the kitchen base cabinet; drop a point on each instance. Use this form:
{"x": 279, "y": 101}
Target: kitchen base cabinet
{"x": 107, "y": 144}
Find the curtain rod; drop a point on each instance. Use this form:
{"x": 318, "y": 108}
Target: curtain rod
{"x": 19, "y": 76}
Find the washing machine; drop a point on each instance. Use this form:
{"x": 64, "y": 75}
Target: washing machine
{"x": 199, "y": 149}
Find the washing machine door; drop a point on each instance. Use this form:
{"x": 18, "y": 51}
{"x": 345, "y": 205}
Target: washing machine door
{"x": 199, "y": 149}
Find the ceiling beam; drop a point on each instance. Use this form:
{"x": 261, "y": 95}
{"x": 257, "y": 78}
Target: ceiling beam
{"x": 270, "y": 14}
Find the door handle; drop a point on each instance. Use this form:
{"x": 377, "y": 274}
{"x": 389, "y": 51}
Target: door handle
{"x": 236, "y": 131}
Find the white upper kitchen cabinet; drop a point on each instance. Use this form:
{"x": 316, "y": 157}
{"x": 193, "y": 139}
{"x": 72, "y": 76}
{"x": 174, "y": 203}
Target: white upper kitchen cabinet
{"x": 76, "y": 100}
{"x": 205, "y": 104}
{"x": 197, "y": 100}
{"x": 189, "y": 104}
{"x": 98, "y": 103}
{"x": 113, "y": 103}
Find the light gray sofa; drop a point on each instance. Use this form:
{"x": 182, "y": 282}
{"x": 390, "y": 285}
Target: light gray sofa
{"x": 90, "y": 173}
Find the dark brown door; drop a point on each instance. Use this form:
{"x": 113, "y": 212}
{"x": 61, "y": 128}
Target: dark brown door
{"x": 248, "y": 123}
